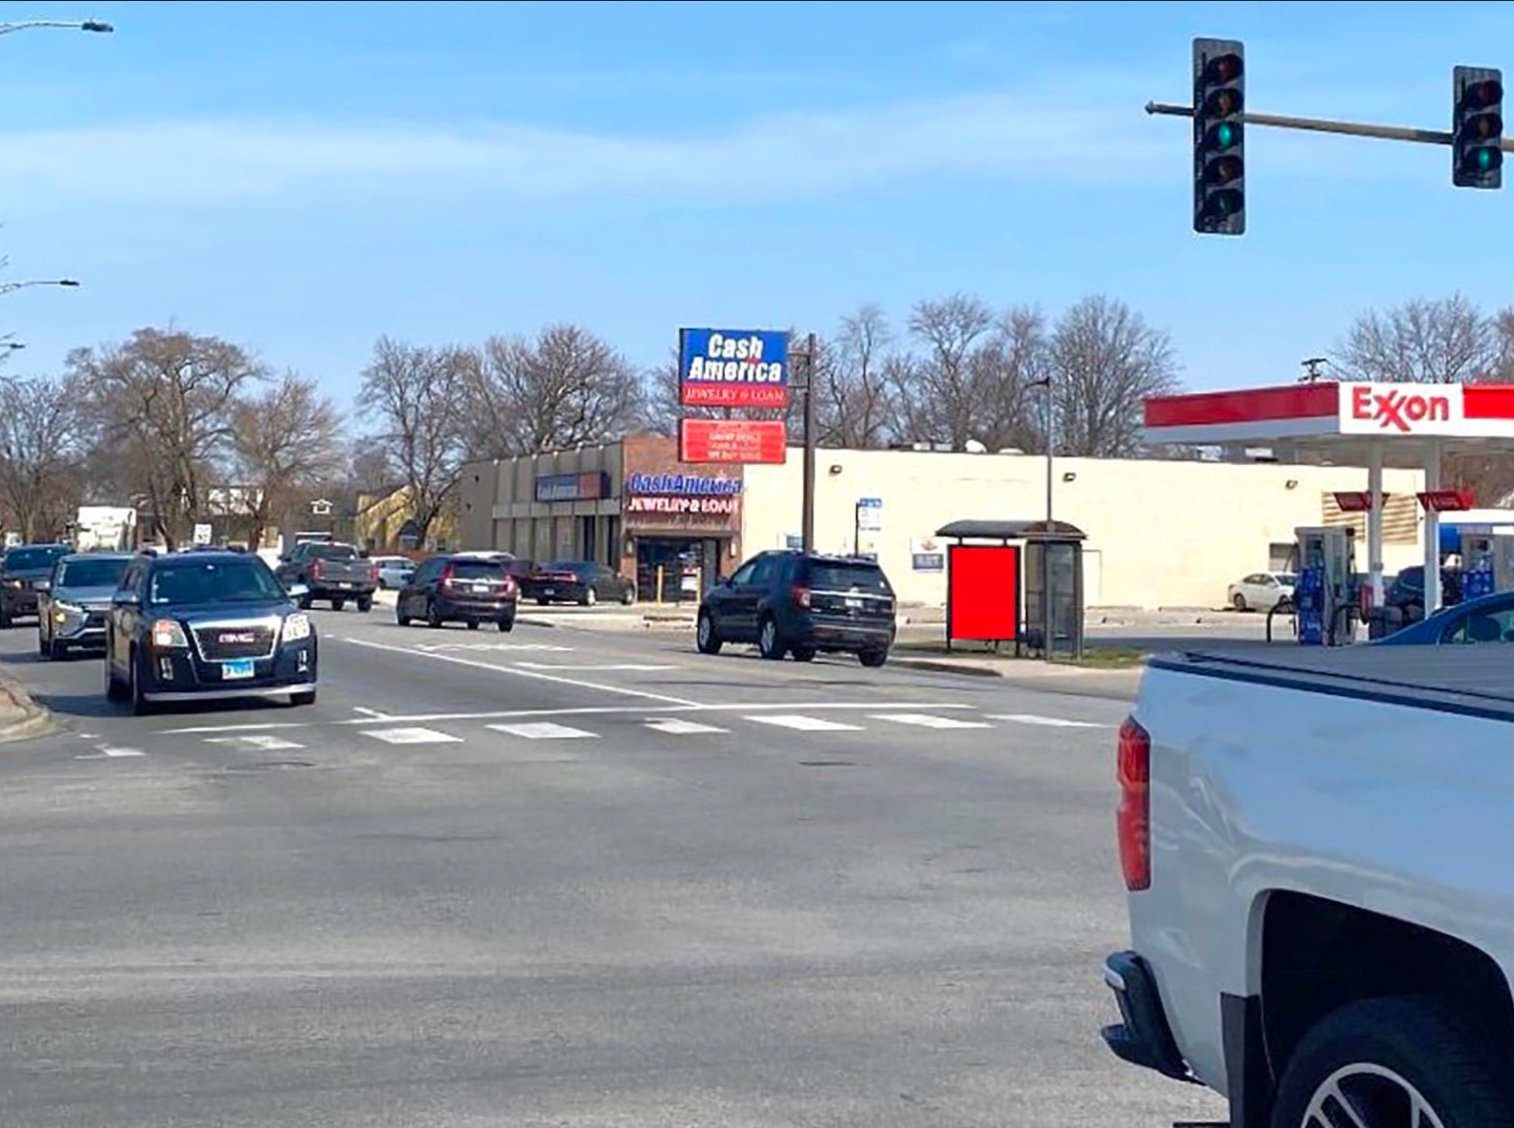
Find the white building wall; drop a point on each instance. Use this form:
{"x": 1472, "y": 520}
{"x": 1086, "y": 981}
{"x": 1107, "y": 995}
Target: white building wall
{"x": 1160, "y": 533}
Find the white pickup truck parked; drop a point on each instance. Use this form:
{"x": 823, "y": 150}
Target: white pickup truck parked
{"x": 1319, "y": 848}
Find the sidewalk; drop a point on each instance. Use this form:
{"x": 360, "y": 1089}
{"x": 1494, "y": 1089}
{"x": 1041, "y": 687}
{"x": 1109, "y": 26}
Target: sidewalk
{"x": 21, "y": 718}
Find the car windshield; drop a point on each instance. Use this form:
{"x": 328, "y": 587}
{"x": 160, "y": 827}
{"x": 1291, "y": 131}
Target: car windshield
{"x": 1287, "y": 578}
{"x": 97, "y": 573}
{"x": 333, "y": 551}
{"x": 844, "y": 577}
{"x": 216, "y": 581}
{"x": 32, "y": 559}
{"x": 477, "y": 569}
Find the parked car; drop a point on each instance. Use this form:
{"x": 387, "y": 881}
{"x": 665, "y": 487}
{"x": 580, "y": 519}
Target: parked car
{"x": 1407, "y": 591}
{"x": 579, "y": 581}
{"x": 204, "y": 625}
{"x": 394, "y": 572}
{"x": 1262, "y": 591}
{"x": 796, "y": 603}
{"x": 25, "y": 571}
{"x": 1311, "y": 841}
{"x": 459, "y": 589}
{"x": 330, "y": 572}
{"x": 72, "y": 612}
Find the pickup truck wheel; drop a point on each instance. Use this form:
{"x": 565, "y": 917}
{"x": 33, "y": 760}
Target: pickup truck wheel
{"x": 473, "y": 624}
{"x": 365, "y": 603}
{"x": 338, "y": 604}
{"x": 1408, "y": 1062}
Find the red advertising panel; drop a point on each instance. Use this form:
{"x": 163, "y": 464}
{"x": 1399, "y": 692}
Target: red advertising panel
{"x": 732, "y": 440}
{"x": 982, "y": 592}
{"x": 1443, "y": 500}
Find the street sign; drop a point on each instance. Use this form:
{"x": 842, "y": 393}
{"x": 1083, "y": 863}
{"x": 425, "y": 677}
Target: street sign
{"x": 202, "y": 534}
{"x": 869, "y": 514}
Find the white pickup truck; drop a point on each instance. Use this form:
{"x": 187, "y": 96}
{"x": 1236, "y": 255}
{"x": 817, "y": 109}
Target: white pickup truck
{"x": 1319, "y": 848}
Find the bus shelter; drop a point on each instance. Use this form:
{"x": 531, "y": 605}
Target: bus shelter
{"x": 1375, "y": 425}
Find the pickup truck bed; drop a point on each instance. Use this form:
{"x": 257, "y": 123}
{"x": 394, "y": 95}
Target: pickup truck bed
{"x": 1317, "y": 845}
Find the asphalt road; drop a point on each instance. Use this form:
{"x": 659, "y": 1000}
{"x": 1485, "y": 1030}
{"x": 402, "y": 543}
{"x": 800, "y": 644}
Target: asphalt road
{"x": 564, "y": 878}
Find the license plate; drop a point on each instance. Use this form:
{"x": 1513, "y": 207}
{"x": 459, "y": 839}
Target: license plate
{"x": 344, "y": 584}
{"x": 231, "y": 671}
{"x": 854, "y": 603}
{"x": 549, "y": 591}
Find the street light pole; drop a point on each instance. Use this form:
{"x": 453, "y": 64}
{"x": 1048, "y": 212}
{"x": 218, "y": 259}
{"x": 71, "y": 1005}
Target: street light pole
{"x": 12, "y": 287}
{"x": 1046, "y": 608}
{"x": 72, "y": 25}
{"x": 807, "y": 501}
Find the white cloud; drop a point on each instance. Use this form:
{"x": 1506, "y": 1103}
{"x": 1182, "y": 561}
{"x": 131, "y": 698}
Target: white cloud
{"x": 772, "y": 158}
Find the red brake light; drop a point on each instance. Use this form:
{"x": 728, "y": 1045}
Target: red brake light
{"x": 315, "y": 568}
{"x": 800, "y": 595}
{"x": 447, "y": 575}
{"x": 1134, "y": 816}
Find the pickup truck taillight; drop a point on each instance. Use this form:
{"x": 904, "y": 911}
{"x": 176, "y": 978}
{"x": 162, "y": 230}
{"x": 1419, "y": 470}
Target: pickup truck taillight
{"x": 315, "y": 568}
{"x": 1134, "y": 816}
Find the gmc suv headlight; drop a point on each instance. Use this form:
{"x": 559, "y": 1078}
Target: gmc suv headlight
{"x": 63, "y": 612}
{"x": 296, "y": 627}
{"x": 168, "y": 635}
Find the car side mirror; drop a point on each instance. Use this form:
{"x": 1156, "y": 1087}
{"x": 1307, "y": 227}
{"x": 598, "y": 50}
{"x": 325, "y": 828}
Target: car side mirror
{"x": 126, "y": 599}
{"x": 298, "y": 591}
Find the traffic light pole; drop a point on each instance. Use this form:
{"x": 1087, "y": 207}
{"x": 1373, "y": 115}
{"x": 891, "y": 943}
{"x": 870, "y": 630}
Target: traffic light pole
{"x": 1319, "y": 125}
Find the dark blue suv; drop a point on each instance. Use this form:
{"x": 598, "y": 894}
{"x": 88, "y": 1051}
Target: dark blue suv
{"x": 197, "y": 626}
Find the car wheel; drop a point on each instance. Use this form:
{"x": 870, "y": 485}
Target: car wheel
{"x": 507, "y": 624}
{"x": 7, "y": 621}
{"x": 365, "y": 603}
{"x": 338, "y": 604}
{"x": 542, "y": 602}
{"x": 473, "y": 624}
{"x": 768, "y": 644}
{"x": 803, "y": 653}
{"x": 705, "y": 636}
{"x": 57, "y": 651}
{"x": 304, "y": 603}
{"x": 433, "y": 616}
{"x": 1412, "y": 1054}
{"x": 873, "y": 658}
{"x": 628, "y": 596}
{"x": 400, "y": 617}
{"x": 1238, "y": 601}
{"x": 140, "y": 706}
{"x": 305, "y": 697}
{"x": 43, "y": 649}
{"x": 590, "y": 598}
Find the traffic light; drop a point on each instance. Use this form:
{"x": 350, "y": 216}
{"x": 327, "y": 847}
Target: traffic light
{"x": 1219, "y": 137}
{"x": 1477, "y": 127}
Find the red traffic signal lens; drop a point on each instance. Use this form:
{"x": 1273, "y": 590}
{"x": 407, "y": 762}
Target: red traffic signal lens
{"x": 1479, "y": 95}
{"x": 1223, "y": 68}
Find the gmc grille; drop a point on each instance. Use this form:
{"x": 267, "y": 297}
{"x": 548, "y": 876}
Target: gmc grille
{"x": 224, "y": 643}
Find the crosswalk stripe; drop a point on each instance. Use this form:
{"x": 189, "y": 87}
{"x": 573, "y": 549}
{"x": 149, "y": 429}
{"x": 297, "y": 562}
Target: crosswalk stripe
{"x": 676, "y": 726}
{"x": 259, "y": 741}
{"x": 544, "y": 730}
{"x": 412, "y": 736}
{"x": 926, "y": 720}
{"x": 802, "y": 723}
{"x": 115, "y": 753}
{"x": 1050, "y": 722}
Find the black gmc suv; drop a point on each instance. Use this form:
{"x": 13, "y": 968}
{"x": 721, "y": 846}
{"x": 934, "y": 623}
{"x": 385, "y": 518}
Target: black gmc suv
{"x": 191, "y": 626}
{"x": 797, "y": 603}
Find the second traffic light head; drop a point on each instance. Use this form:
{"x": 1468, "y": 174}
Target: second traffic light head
{"x": 1477, "y": 127}
{"x": 1219, "y": 138}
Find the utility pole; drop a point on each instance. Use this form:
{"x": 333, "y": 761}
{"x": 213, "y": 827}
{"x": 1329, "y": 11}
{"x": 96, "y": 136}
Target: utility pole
{"x": 807, "y": 523}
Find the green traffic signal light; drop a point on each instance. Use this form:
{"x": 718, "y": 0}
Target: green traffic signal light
{"x": 1477, "y": 127}
{"x": 1219, "y": 139}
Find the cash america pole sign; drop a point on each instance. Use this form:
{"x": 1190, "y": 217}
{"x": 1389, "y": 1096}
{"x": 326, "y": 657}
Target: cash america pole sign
{"x": 740, "y": 369}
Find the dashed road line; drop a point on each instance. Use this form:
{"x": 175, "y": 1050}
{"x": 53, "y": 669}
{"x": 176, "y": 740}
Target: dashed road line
{"x": 413, "y": 736}
{"x": 257, "y": 741}
{"x": 544, "y": 730}
{"x": 804, "y": 724}
{"x": 926, "y": 720}
{"x": 634, "y": 667}
{"x": 677, "y": 726}
{"x": 1049, "y": 722}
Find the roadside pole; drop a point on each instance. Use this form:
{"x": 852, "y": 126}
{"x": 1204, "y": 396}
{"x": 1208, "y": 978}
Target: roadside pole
{"x": 807, "y": 523}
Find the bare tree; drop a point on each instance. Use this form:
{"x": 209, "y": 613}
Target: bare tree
{"x": 42, "y": 443}
{"x": 417, "y": 399}
{"x": 936, "y": 393}
{"x": 163, "y": 405}
{"x": 1105, "y": 362}
{"x": 1433, "y": 341}
{"x": 856, "y": 407}
{"x": 285, "y": 441}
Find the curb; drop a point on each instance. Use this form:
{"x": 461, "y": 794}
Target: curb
{"x": 944, "y": 667}
{"x": 34, "y": 719}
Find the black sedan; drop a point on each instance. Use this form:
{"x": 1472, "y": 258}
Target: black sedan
{"x": 194, "y": 626}
{"x": 578, "y": 581}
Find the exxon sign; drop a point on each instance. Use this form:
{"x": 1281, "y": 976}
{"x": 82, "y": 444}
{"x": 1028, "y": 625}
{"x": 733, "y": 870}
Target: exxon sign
{"x": 1401, "y": 409}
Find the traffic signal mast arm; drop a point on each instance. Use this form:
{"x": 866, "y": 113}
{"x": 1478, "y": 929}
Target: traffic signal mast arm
{"x": 1318, "y": 125}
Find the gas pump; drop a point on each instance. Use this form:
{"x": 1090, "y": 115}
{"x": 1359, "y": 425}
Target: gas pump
{"x": 1322, "y": 593}
{"x": 1487, "y": 561}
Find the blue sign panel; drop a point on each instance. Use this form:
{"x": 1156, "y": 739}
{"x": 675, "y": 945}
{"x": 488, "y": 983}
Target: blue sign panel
{"x": 733, "y": 368}
{"x": 683, "y": 485}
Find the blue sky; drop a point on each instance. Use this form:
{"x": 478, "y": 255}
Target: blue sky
{"x": 303, "y": 177}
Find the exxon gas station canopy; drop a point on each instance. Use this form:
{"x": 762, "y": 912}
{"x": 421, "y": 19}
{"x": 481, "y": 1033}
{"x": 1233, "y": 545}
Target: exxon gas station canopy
{"x": 1406, "y": 425}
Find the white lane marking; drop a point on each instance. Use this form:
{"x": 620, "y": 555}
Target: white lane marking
{"x": 1051, "y": 722}
{"x": 372, "y": 714}
{"x": 638, "y": 666}
{"x": 925, "y": 720}
{"x": 677, "y": 726}
{"x": 620, "y": 690}
{"x": 198, "y": 729}
{"x": 505, "y": 647}
{"x": 413, "y": 736}
{"x": 114, "y": 752}
{"x": 259, "y": 742}
{"x": 544, "y": 730}
{"x": 804, "y": 724}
